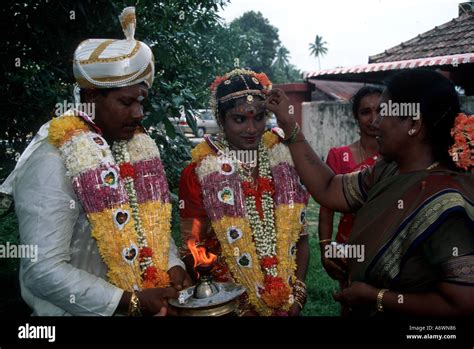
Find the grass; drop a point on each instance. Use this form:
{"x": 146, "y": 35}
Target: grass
{"x": 320, "y": 285}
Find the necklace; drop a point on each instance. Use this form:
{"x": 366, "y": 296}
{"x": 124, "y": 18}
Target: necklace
{"x": 433, "y": 165}
{"x": 249, "y": 169}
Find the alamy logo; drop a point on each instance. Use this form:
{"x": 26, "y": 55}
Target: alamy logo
{"x": 247, "y": 157}
{"x": 86, "y": 108}
{"x": 37, "y": 332}
{"x": 400, "y": 109}
{"x": 335, "y": 250}
{"x": 19, "y": 251}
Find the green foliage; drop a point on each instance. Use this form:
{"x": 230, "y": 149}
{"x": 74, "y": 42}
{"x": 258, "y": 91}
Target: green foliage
{"x": 175, "y": 154}
{"x": 261, "y": 49}
{"x": 282, "y": 70}
{"x": 285, "y": 74}
{"x": 263, "y": 41}
{"x": 320, "y": 285}
{"x": 9, "y": 233}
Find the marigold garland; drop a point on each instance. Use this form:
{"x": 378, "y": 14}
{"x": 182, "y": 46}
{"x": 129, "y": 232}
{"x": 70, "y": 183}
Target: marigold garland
{"x": 130, "y": 222}
{"x": 64, "y": 128}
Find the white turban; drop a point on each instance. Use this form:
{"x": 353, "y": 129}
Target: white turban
{"x": 109, "y": 63}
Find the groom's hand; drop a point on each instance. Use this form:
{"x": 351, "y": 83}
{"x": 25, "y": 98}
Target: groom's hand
{"x": 179, "y": 278}
{"x": 152, "y": 300}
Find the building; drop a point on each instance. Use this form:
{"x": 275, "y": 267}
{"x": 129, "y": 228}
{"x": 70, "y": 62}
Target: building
{"x": 448, "y": 48}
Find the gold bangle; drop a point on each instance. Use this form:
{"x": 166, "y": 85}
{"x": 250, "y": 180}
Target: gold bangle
{"x": 325, "y": 240}
{"x": 301, "y": 305}
{"x": 134, "y": 306}
{"x": 301, "y": 297}
{"x": 380, "y": 299}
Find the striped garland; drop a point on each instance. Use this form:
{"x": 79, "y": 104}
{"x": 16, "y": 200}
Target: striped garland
{"x": 124, "y": 193}
{"x": 266, "y": 267}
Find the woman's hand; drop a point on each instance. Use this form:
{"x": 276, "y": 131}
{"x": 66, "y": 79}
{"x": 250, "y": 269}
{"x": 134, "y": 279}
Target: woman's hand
{"x": 357, "y": 293}
{"x": 335, "y": 267}
{"x": 277, "y": 102}
{"x": 180, "y": 279}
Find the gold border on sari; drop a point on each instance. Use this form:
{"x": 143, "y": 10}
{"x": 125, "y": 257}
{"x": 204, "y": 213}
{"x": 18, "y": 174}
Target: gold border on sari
{"x": 459, "y": 269}
{"x": 352, "y": 190}
{"x": 388, "y": 266}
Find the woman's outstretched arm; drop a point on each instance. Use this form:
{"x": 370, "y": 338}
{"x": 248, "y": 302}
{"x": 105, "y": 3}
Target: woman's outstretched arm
{"x": 323, "y": 185}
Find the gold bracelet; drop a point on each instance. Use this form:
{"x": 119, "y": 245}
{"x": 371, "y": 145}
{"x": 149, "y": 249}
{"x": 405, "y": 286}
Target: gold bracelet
{"x": 325, "y": 240}
{"x": 301, "y": 296}
{"x": 301, "y": 305}
{"x": 300, "y": 293}
{"x": 380, "y": 299}
{"x": 134, "y": 306}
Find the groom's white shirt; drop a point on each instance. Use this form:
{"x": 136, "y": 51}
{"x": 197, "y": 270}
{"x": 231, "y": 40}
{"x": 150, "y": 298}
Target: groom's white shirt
{"x": 69, "y": 276}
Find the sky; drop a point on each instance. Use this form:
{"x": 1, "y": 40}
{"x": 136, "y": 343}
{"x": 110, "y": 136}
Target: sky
{"x": 353, "y": 29}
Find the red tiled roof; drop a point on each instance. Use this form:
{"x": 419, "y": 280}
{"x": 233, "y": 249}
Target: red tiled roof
{"x": 453, "y": 37}
{"x": 451, "y": 60}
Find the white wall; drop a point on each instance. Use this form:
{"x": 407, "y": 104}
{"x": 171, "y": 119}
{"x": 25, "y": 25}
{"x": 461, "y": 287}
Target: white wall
{"x": 328, "y": 124}
{"x": 331, "y": 124}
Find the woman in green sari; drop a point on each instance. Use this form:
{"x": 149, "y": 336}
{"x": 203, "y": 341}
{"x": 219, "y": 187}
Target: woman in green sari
{"x": 414, "y": 209}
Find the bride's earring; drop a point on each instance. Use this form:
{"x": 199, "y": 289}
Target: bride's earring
{"x": 411, "y": 132}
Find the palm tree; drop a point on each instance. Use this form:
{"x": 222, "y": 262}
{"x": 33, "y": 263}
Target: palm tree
{"x": 282, "y": 57}
{"x": 318, "y": 49}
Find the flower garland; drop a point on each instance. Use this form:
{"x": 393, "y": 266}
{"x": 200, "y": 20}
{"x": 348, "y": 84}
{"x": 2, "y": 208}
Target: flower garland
{"x": 125, "y": 195}
{"x": 256, "y": 222}
{"x": 462, "y": 151}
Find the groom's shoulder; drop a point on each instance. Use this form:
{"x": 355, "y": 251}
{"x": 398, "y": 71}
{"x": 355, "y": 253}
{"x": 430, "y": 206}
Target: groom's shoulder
{"x": 45, "y": 155}
{"x": 45, "y": 162}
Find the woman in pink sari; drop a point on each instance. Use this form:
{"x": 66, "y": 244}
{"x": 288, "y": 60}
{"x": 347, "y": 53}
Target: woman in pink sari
{"x": 346, "y": 159}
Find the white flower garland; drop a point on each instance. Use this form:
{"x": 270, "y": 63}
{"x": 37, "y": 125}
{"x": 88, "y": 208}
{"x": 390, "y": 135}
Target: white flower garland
{"x": 263, "y": 231}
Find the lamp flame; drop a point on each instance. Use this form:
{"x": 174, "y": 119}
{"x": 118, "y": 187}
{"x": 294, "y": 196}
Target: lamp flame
{"x": 201, "y": 256}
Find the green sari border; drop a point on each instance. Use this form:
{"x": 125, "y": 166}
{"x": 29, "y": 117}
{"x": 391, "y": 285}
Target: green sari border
{"x": 386, "y": 265}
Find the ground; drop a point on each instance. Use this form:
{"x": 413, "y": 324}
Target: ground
{"x": 320, "y": 285}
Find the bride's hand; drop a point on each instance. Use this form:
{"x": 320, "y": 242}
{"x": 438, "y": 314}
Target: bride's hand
{"x": 277, "y": 102}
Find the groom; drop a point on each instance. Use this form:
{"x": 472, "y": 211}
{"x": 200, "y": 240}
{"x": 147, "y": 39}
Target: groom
{"x": 70, "y": 276}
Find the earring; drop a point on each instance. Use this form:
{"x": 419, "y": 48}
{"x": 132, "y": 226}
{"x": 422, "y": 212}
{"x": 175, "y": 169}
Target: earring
{"x": 411, "y": 132}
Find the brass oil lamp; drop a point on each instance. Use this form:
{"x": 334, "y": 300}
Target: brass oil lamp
{"x": 207, "y": 297}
